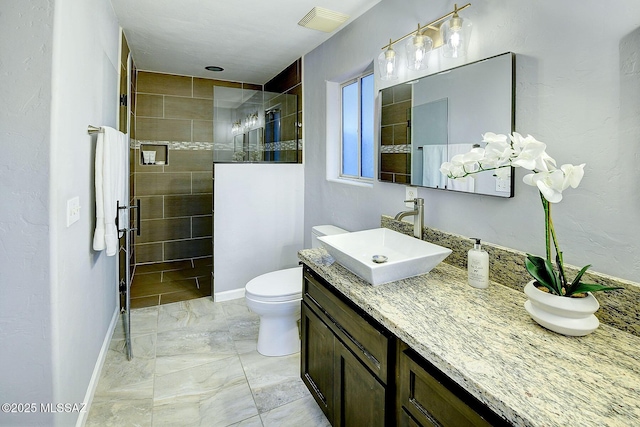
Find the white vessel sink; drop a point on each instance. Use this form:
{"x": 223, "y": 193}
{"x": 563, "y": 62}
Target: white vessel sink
{"x": 405, "y": 256}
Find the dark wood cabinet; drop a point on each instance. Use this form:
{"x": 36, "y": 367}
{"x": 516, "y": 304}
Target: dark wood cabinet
{"x": 317, "y": 359}
{"x": 427, "y": 397}
{"x": 362, "y": 375}
{"x": 344, "y": 359}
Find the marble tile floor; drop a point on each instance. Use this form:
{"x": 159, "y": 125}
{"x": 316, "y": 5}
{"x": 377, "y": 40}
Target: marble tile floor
{"x": 195, "y": 364}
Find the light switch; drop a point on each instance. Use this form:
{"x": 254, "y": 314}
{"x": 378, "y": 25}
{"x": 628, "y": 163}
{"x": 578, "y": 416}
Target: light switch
{"x": 73, "y": 210}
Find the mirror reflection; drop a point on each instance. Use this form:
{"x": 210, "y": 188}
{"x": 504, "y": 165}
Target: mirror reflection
{"x": 255, "y": 126}
{"x": 428, "y": 121}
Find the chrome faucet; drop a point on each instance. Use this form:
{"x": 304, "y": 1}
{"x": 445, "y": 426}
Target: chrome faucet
{"x": 418, "y": 216}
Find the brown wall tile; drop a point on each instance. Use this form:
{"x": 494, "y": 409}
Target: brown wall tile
{"x": 159, "y": 230}
{"x": 163, "y": 129}
{"x": 190, "y": 160}
{"x": 400, "y": 134}
{"x": 163, "y": 84}
{"x": 395, "y": 113}
{"x": 202, "y": 131}
{"x": 149, "y": 106}
{"x": 202, "y": 226}
{"x": 154, "y": 184}
{"x": 148, "y": 253}
{"x": 394, "y": 162}
{"x": 386, "y": 135}
{"x": 251, "y": 86}
{"x": 197, "y": 204}
{"x": 188, "y": 108}
{"x": 203, "y": 88}
{"x": 202, "y": 182}
{"x": 402, "y": 93}
{"x": 286, "y": 79}
{"x": 151, "y": 207}
{"x": 192, "y": 248}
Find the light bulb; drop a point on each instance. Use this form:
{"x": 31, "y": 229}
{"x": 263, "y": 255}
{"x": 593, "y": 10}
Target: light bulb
{"x": 387, "y": 64}
{"x": 455, "y": 35}
{"x": 418, "y": 48}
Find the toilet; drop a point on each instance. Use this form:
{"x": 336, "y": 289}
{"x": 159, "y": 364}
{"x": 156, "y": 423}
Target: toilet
{"x": 275, "y": 297}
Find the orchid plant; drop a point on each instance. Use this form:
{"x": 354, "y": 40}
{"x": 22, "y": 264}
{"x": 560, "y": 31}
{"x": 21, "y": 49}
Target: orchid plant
{"x": 500, "y": 153}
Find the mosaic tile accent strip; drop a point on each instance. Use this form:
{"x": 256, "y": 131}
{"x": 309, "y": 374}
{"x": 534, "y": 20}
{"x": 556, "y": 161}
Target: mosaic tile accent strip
{"x": 395, "y": 149}
{"x": 620, "y": 309}
{"x": 174, "y": 145}
{"x": 280, "y": 145}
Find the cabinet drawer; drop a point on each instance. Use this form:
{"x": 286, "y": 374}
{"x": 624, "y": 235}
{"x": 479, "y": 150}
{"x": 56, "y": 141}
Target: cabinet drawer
{"x": 360, "y": 336}
{"x": 431, "y": 398}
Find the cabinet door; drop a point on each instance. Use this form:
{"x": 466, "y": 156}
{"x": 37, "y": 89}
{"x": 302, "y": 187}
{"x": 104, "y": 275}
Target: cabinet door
{"x": 433, "y": 399}
{"x": 316, "y": 359}
{"x": 359, "y": 397}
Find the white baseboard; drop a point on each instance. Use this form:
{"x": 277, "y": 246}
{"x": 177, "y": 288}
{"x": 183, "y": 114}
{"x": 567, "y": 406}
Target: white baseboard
{"x": 97, "y": 370}
{"x": 228, "y": 295}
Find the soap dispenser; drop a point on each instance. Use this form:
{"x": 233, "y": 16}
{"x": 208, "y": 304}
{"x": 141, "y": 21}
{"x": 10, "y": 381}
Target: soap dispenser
{"x": 478, "y": 266}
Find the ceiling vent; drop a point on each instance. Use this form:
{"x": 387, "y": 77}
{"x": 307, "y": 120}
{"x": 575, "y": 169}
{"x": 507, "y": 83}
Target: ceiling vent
{"x": 323, "y": 19}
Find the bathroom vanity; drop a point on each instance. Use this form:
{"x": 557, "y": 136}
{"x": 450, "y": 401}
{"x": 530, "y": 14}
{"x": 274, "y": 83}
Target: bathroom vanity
{"x": 431, "y": 350}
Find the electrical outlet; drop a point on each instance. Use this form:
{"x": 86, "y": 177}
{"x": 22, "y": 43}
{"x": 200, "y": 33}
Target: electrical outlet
{"x": 410, "y": 194}
{"x": 503, "y": 185}
{"x": 73, "y": 210}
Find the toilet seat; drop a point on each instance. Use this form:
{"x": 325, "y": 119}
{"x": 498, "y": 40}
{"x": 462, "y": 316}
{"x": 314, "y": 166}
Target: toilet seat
{"x": 276, "y": 286}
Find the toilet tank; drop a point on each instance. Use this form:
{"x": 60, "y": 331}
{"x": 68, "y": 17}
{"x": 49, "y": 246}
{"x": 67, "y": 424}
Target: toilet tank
{"x": 323, "y": 230}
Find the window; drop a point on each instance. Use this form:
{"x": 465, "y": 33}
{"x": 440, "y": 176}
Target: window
{"x": 357, "y": 128}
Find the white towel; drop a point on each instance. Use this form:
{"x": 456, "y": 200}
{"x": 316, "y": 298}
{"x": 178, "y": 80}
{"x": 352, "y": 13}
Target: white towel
{"x": 111, "y": 150}
{"x": 432, "y": 158}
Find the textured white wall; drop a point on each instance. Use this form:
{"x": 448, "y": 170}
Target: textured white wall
{"x": 577, "y": 89}
{"x": 59, "y": 74}
{"x": 25, "y": 109}
{"x": 83, "y": 283}
{"x": 258, "y": 222}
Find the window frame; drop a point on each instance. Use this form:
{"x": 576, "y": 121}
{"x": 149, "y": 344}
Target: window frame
{"x": 358, "y": 79}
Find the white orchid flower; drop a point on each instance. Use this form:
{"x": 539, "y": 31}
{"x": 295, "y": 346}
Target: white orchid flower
{"x": 473, "y": 156}
{"x": 572, "y": 175}
{"x": 545, "y": 163}
{"x": 503, "y": 173}
{"x": 453, "y": 171}
{"x": 491, "y": 137}
{"x": 549, "y": 183}
{"x": 530, "y": 155}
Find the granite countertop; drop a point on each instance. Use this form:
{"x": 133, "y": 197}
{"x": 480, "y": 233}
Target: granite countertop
{"x": 485, "y": 341}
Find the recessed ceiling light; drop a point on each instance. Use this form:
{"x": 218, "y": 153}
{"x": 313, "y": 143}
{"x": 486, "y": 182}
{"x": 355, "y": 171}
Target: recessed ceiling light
{"x": 214, "y": 68}
{"x": 322, "y": 19}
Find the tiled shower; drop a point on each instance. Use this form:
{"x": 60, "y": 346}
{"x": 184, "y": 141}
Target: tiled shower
{"x": 173, "y": 116}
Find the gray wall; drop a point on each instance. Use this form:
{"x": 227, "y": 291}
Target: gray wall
{"x": 25, "y": 309}
{"x": 577, "y": 89}
{"x": 59, "y": 67}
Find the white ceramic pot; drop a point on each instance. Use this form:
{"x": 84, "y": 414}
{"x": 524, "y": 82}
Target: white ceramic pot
{"x": 567, "y": 316}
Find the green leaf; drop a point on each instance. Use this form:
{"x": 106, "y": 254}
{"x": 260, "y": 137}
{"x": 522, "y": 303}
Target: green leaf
{"x": 591, "y": 287}
{"x": 542, "y": 270}
{"x": 576, "y": 281}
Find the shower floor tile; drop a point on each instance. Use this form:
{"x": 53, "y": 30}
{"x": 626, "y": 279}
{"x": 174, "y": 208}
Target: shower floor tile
{"x": 169, "y": 282}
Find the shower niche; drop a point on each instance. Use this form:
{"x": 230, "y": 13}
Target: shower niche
{"x": 255, "y": 126}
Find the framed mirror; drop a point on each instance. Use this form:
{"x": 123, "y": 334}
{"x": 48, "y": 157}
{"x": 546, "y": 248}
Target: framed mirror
{"x": 427, "y": 121}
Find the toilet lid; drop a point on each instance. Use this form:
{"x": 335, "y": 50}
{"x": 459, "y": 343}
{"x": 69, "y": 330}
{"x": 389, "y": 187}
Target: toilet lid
{"x": 280, "y": 285}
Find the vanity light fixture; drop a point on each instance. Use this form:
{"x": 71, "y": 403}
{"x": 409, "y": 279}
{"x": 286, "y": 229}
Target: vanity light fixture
{"x": 387, "y": 63}
{"x": 451, "y": 32}
{"x": 418, "y": 48}
{"x": 455, "y": 34}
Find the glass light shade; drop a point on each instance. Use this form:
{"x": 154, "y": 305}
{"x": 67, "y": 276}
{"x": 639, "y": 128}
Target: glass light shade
{"x": 456, "y": 33}
{"x": 387, "y": 64}
{"x": 418, "y": 48}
